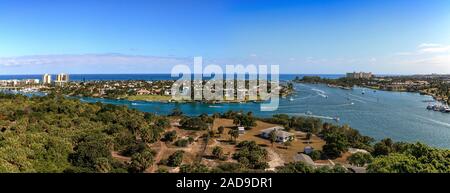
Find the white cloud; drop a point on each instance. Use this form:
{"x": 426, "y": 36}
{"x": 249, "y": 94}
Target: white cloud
{"x": 433, "y": 48}
{"x": 88, "y": 59}
{"x": 424, "y": 45}
{"x": 403, "y": 53}
{"x": 427, "y": 58}
{"x": 89, "y": 63}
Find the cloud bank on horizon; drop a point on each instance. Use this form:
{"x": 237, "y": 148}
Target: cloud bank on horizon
{"x": 426, "y": 58}
{"x": 303, "y": 37}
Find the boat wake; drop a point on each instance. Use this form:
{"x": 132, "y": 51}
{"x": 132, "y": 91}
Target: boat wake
{"x": 361, "y": 98}
{"x": 311, "y": 115}
{"x": 306, "y": 97}
{"x": 318, "y": 91}
{"x": 345, "y": 104}
{"x": 322, "y": 95}
{"x": 434, "y": 121}
{"x": 361, "y": 101}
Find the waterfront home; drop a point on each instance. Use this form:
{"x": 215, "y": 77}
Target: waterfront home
{"x": 143, "y": 92}
{"x": 281, "y": 135}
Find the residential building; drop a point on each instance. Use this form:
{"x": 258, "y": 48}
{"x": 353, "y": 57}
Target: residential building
{"x": 360, "y": 75}
{"x": 143, "y": 92}
{"x": 47, "y": 79}
{"x": 61, "y": 79}
{"x": 281, "y": 135}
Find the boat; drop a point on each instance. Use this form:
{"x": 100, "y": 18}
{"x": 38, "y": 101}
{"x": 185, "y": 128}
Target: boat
{"x": 337, "y": 119}
{"x": 308, "y": 113}
{"x": 435, "y": 108}
{"x": 291, "y": 99}
{"x": 430, "y": 107}
{"x": 445, "y": 109}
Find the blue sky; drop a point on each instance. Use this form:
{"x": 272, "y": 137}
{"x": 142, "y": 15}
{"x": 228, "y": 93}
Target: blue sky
{"x": 150, "y": 36}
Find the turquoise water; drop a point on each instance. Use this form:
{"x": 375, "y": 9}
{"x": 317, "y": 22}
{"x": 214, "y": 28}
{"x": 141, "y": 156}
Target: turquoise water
{"x": 379, "y": 114}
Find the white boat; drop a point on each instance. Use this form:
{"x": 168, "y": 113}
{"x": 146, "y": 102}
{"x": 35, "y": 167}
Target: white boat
{"x": 445, "y": 109}
{"x": 291, "y": 99}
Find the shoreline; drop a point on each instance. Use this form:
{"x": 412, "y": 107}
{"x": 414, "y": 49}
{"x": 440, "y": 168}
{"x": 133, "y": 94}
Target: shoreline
{"x": 436, "y": 98}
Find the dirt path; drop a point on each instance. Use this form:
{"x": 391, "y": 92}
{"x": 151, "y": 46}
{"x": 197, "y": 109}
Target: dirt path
{"x": 158, "y": 157}
{"x": 116, "y": 155}
{"x": 275, "y": 159}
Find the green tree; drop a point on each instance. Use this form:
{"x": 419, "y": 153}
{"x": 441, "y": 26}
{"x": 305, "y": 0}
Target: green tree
{"x": 273, "y": 137}
{"x": 170, "y": 136}
{"x": 360, "y": 159}
{"x": 296, "y": 167}
{"x": 336, "y": 143}
{"x": 151, "y": 134}
{"x": 394, "y": 163}
{"x": 141, "y": 161}
{"x": 315, "y": 155}
{"x": 217, "y": 152}
{"x": 175, "y": 159}
{"x": 234, "y": 134}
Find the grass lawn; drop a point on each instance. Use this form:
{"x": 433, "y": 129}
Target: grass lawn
{"x": 149, "y": 98}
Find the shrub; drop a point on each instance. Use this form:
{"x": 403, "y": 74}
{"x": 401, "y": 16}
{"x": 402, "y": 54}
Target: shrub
{"x": 175, "y": 159}
{"x": 182, "y": 143}
{"x": 170, "y": 136}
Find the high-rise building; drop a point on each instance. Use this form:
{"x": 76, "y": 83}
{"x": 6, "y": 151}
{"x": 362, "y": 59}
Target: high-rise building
{"x": 47, "y": 79}
{"x": 62, "y": 77}
{"x": 358, "y": 75}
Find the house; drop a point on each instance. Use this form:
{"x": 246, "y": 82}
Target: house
{"x": 281, "y": 135}
{"x": 143, "y": 92}
{"x": 241, "y": 130}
